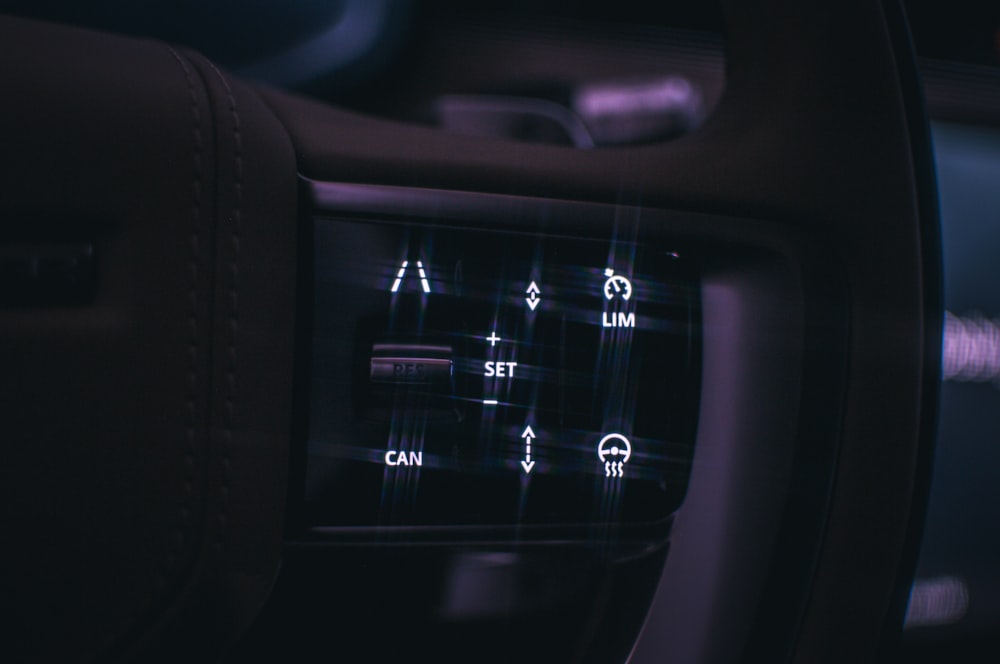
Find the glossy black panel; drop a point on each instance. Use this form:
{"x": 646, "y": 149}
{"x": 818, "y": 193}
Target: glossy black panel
{"x": 478, "y": 377}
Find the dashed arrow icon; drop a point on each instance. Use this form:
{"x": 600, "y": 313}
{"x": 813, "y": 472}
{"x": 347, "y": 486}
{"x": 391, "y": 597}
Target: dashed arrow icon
{"x": 533, "y": 293}
{"x": 528, "y": 436}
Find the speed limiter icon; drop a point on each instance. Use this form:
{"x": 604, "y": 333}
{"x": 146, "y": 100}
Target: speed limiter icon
{"x": 614, "y": 451}
{"x": 616, "y": 286}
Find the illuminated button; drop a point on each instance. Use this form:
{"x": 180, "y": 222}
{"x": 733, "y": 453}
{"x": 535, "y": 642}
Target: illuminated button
{"x": 614, "y": 451}
{"x": 617, "y": 286}
{"x": 533, "y": 295}
{"x": 617, "y": 290}
{"x": 527, "y": 463}
{"x": 401, "y": 276}
{"x": 499, "y": 369}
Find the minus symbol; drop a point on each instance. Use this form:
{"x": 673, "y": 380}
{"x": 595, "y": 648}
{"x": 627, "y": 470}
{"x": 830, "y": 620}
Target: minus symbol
{"x": 490, "y": 402}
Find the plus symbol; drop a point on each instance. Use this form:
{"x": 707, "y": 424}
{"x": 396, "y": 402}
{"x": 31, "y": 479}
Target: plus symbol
{"x": 493, "y": 338}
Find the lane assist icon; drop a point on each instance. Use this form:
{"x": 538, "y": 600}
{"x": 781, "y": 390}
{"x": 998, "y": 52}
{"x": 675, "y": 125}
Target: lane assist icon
{"x": 615, "y": 451}
{"x": 401, "y": 275}
{"x": 618, "y": 285}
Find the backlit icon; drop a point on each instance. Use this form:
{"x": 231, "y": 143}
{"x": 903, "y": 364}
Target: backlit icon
{"x": 399, "y": 458}
{"x": 616, "y": 285}
{"x": 614, "y": 451}
{"x": 533, "y": 295}
{"x": 493, "y": 338}
{"x": 402, "y": 273}
{"x": 528, "y": 436}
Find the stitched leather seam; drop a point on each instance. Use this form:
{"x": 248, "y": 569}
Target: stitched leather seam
{"x": 191, "y": 408}
{"x": 234, "y": 291}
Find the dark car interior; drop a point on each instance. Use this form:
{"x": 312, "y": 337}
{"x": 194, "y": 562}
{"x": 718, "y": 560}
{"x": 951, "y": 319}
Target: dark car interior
{"x": 425, "y": 330}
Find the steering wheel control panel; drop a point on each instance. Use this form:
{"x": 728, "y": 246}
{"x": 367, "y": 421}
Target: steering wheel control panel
{"x": 482, "y": 377}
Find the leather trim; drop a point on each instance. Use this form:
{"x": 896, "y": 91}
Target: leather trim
{"x": 194, "y": 387}
{"x": 146, "y": 430}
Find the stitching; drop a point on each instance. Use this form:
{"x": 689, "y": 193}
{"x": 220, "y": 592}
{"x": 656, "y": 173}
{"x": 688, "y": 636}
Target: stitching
{"x": 184, "y": 514}
{"x": 234, "y": 292}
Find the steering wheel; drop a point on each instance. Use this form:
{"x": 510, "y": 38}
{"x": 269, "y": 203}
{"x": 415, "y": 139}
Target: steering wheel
{"x": 170, "y": 238}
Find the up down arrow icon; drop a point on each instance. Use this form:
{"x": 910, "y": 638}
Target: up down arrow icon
{"x": 533, "y": 295}
{"x": 528, "y": 436}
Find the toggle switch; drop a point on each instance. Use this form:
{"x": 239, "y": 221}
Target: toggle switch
{"x": 415, "y": 378}
{"x": 412, "y": 364}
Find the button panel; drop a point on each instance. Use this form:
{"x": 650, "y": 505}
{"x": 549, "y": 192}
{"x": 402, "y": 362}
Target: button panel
{"x": 474, "y": 377}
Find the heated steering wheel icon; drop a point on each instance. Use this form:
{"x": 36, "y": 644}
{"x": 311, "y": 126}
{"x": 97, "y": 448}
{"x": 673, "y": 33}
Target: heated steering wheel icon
{"x": 614, "y": 451}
